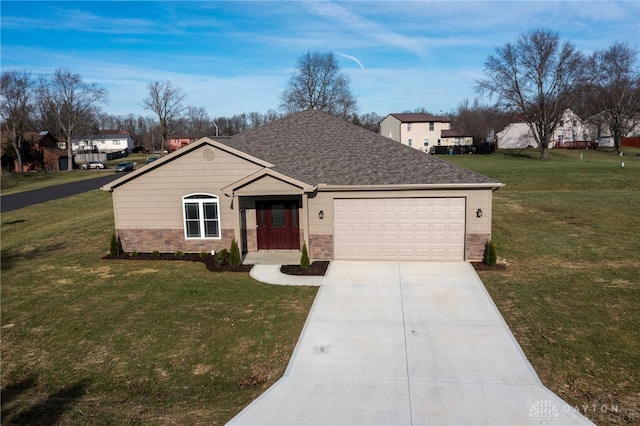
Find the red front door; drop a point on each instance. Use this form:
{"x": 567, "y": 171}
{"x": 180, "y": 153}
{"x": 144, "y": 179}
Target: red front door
{"x": 278, "y": 225}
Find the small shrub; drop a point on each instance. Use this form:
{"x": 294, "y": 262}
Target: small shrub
{"x": 179, "y": 254}
{"x": 490, "y": 257}
{"x": 304, "y": 258}
{"x": 221, "y": 257}
{"x": 155, "y": 254}
{"x": 133, "y": 254}
{"x": 203, "y": 255}
{"x": 234, "y": 255}
{"x": 114, "y": 245}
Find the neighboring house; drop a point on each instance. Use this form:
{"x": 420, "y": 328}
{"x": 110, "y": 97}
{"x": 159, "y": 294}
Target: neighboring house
{"x": 598, "y": 128}
{"x": 456, "y": 137}
{"x": 40, "y": 152}
{"x": 308, "y": 178}
{"x": 418, "y": 130}
{"x": 518, "y": 135}
{"x": 53, "y": 157}
{"x": 177, "y": 142}
{"x": 104, "y": 141}
{"x": 515, "y": 136}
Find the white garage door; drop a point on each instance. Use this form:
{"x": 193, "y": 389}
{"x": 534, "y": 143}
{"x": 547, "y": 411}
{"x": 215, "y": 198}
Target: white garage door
{"x": 399, "y": 228}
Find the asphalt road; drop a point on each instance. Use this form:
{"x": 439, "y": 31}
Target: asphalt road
{"x": 29, "y": 198}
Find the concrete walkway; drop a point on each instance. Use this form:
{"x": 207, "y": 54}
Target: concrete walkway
{"x": 406, "y": 343}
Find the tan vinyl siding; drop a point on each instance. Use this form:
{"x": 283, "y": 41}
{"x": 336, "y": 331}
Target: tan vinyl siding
{"x": 154, "y": 200}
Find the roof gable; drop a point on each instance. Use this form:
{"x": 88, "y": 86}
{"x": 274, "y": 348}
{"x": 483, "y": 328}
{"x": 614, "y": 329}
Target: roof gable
{"x": 266, "y": 180}
{"x": 178, "y": 153}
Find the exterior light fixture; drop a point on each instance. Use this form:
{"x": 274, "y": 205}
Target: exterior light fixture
{"x": 479, "y": 213}
{"x": 321, "y": 214}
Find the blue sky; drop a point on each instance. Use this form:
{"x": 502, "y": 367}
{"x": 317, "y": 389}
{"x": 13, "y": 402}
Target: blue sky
{"x": 234, "y": 57}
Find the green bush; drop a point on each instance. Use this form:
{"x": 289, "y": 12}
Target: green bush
{"x": 179, "y": 254}
{"x": 203, "y": 255}
{"x": 234, "y": 255}
{"x": 304, "y": 258}
{"x": 490, "y": 257}
{"x": 221, "y": 257}
{"x": 155, "y": 254}
{"x": 114, "y": 245}
{"x": 133, "y": 254}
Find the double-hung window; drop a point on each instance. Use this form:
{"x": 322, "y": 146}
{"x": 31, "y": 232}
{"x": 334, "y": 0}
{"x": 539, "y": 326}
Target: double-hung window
{"x": 201, "y": 216}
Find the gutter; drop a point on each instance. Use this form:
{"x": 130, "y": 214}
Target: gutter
{"x": 409, "y": 187}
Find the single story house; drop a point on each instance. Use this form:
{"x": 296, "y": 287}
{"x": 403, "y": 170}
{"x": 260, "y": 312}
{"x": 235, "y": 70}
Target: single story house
{"x": 456, "y": 137}
{"x": 308, "y": 178}
{"x": 104, "y": 141}
{"x": 418, "y": 130}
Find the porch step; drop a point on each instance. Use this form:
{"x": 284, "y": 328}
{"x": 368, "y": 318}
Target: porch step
{"x": 273, "y": 257}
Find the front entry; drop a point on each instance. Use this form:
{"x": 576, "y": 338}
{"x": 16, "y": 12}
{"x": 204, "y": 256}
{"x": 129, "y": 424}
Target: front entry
{"x": 278, "y": 227}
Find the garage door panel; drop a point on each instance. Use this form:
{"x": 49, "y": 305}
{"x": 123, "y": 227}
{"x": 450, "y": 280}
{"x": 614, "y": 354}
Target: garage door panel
{"x": 400, "y": 228}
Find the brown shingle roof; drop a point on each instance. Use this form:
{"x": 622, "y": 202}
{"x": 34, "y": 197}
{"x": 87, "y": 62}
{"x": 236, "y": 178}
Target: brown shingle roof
{"x": 315, "y": 147}
{"x": 419, "y": 117}
{"x": 452, "y": 133}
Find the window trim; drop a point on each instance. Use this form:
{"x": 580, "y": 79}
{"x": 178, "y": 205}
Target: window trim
{"x": 203, "y": 198}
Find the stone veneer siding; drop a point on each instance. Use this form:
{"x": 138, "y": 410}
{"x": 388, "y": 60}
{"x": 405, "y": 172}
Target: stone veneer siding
{"x": 169, "y": 241}
{"x": 252, "y": 240}
{"x": 475, "y": 245}
{"x": 321, "y": 247}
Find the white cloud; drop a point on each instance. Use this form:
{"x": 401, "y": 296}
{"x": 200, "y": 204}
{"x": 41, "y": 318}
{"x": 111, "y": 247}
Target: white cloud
{"x": 366, "y": 28}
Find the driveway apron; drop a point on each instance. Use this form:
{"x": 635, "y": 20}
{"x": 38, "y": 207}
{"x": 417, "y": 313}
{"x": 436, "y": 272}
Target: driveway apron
{"x": 406, "y": 343}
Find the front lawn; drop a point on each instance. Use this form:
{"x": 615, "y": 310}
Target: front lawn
{"x": 93, "y": 341}
{"x": 568, "y": 230}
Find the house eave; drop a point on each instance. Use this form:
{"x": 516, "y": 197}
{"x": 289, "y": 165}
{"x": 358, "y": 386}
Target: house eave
{"x": 323, "y": 187}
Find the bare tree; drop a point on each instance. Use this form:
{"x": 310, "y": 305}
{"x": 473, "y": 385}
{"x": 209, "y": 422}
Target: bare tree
{"x": 479, "y": 120}
{"x": 617, "y": 90}
{"x": 71, "y": 102}
{"x": 540, "y": 77}
{"x": 197, "y": 121}
{"x": 16, "y": 108}
{"x": 165, "y": 100}
{"x": 319, "y": 84}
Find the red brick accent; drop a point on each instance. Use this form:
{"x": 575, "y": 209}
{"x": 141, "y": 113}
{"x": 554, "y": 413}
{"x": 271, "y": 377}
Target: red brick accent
{"x": 321, "y": 247}
{"x": 474, "y": 247}
{"x": 169, "y": 241}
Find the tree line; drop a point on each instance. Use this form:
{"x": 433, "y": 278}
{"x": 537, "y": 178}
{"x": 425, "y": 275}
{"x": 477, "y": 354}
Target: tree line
{"x": 537, "y": 77}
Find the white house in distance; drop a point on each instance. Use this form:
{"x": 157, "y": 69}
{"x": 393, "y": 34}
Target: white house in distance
{"x": 104, "y": 141}
{"x": 422, "y": 131}
{"x": 598, "y": 126}
{"x": 518, "y": 135}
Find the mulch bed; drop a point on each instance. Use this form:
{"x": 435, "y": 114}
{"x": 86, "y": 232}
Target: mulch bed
{"x": 318, "y": 268}
{"x": 480, "y": 266}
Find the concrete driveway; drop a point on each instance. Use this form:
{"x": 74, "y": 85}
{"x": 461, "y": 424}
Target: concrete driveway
{"x": 406, "y": 343}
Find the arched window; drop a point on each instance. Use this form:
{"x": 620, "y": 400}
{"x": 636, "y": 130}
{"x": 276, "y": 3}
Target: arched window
{"x": 201, "y": 216}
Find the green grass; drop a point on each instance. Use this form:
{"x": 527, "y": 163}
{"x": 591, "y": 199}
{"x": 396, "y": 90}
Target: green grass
{"x": 568, "y": 230}
{"x": 87, "y": 340}
{"x": 95, "y": 341}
